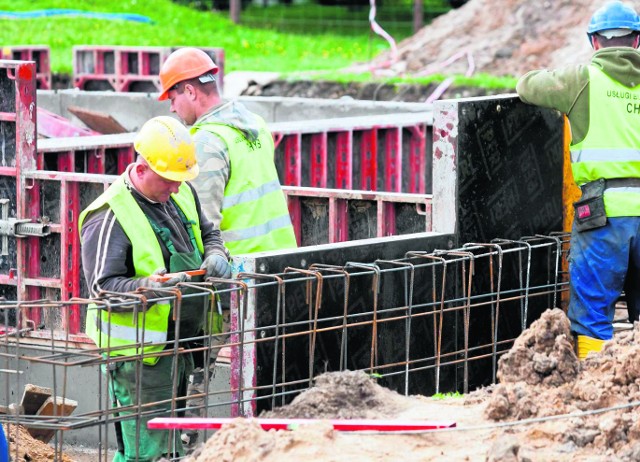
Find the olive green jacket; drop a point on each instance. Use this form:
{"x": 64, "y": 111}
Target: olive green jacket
{"x": 567, "y": 89}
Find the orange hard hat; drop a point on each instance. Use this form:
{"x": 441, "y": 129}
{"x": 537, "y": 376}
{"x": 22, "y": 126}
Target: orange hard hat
{"x": 183, "y": 64}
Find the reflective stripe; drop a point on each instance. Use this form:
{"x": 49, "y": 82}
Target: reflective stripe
{"x": 605, "y": 155}
{"x": 634, "y": 190}
{"x": 131, "y": 334}
{"x": 259, "y": 230}
{"x": 251, "y": 194}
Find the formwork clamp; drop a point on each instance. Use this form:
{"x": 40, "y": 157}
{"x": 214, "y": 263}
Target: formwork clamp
{"x": 18, "y": 228}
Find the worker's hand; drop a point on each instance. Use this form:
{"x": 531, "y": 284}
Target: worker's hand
{"x": 152, "y": 286}
{"x": 158, "y": 281}
{"x": 216, "y": 266}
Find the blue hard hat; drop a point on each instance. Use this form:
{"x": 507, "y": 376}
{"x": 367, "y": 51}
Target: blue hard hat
{"x": 614, "y": 15}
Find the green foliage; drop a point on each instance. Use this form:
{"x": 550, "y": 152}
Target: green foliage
{"x": 477, "y": 80}
{"x": 454, "y": 394}
{"x": 177, "y": 25}
{"x": 321, "y": 48}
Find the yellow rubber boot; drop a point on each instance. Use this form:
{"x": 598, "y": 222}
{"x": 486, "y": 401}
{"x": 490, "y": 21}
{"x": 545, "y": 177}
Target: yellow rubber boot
{"x": 587, "y": 344}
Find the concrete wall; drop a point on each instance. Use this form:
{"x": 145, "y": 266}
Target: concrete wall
{"x": 131, "y": 110}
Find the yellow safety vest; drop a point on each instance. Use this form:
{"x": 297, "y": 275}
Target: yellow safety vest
{"x": 255, "y": 216}
{"x": 611, "y": 148}
{"x": 120, "y": 333}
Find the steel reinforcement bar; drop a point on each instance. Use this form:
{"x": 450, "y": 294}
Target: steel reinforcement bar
{"x": 426, "y": 323}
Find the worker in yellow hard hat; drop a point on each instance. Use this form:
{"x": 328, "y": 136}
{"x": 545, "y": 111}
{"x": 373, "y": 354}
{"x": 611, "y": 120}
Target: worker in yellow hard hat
{"x": 238, "y": 183}
{"x": 602, "y": 102}
{"x": 149, "y": 222}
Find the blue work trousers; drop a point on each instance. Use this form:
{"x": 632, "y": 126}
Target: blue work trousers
{"x": 598, "y": 264}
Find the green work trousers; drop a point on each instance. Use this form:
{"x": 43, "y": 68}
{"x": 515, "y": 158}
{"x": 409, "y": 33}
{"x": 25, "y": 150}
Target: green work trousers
{"x": 155, "y": 384}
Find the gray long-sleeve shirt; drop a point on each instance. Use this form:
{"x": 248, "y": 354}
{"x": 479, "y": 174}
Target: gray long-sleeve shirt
{"x": 107, "y": 258}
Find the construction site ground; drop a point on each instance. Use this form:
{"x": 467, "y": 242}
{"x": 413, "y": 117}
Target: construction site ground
{"x": 546, "y": 406}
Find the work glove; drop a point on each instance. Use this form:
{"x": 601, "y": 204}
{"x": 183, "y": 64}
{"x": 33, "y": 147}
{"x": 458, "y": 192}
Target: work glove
{"x": 216, "y": 266}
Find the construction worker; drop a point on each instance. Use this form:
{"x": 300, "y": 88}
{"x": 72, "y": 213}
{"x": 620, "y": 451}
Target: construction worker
{"x": 149, "y": 222}
{"x": 238, "y": 182}
{"x": 602, "y": 102}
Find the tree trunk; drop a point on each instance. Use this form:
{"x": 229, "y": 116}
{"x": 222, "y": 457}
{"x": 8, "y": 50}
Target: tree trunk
{"x": 234, "y": 10}
{"x": 417, "y": 15}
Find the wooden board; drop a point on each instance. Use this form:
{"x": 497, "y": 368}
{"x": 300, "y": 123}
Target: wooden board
{"x": 61, "y": 407}
{"x": 34, "y": 397}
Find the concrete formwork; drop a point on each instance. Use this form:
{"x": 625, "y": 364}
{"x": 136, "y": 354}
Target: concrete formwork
{"x": 493, "y": 175}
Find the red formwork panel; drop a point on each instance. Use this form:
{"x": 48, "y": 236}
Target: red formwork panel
{"x": 43, "y": 188}
{"x": 388, "y": 156}
{"x": 323, "y": 215}
{"x": 37, "y": 53}
{"x": 126, "y": 69}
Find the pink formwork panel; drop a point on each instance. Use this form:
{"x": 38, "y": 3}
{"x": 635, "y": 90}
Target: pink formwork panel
{"x": 37, "y": 53}
{"x": 125, "y": 69}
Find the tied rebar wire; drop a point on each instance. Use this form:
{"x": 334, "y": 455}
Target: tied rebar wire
{"x": 495, "y": 308}
{"x": 314, "y": 310}
{"x": 406, "y": 313}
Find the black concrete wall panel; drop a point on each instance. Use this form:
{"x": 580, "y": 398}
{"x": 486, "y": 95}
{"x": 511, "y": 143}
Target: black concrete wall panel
{"x": 509, "y": 164}
{"x": 293, "y": 354}
{"x": 510, "y": 161}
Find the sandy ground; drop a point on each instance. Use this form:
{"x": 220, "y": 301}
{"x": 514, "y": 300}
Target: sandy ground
{"x": 498, "y": 37}
{"x": 547, "y": 407}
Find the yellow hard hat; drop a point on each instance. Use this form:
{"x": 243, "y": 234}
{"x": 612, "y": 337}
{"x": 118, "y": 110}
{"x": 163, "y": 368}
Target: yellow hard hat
{"x": 168, "y": 148}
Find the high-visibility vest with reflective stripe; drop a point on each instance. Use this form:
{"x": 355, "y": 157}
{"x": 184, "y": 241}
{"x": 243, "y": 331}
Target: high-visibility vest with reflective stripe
{"x": 611, "y": 148}
{"x": 255, "y": 216}
{"x": 119, "y": 332}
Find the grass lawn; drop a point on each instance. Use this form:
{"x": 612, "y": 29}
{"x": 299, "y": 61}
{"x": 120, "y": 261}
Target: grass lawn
{"x": 320, "y": 48}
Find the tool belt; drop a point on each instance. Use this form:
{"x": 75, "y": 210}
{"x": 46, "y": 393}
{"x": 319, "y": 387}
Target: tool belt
{"x": 589, "y": 210}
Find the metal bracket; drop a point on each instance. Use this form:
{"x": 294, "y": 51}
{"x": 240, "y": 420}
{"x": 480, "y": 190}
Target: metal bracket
{"x": 18, "y": 228}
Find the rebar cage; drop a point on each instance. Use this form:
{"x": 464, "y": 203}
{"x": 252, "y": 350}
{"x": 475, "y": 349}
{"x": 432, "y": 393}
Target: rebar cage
{"x": 425, "y": 323}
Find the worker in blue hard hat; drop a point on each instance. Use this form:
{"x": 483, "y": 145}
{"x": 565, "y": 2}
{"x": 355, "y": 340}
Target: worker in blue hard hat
{"x": 602, "y": 102}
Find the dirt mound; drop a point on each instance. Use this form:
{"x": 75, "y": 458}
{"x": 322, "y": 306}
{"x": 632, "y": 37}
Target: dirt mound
{"x": 543, "y": 354}
{"x": 341, "y": 395}
{"x": 25, "y": 448}
{"x": 499, "y": 37}
{"x": 542, "y": 357}
{"x": 596, "y": 400}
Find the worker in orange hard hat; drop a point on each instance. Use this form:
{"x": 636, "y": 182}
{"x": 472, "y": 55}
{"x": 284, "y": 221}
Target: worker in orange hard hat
{"x": 601, "y": 100}
{"x": 238, "y": 183}
{"x": 149, "y": 222}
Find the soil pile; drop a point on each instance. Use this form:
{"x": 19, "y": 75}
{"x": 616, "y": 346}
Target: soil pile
{"x": 500, "y": 37}
{"x": 30, "y": 449}
{"x": 342, "y": 395}
{"x": 540, "y": 377}
{"x": 497, "y": 37}
{"x": 563, "y": 385}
